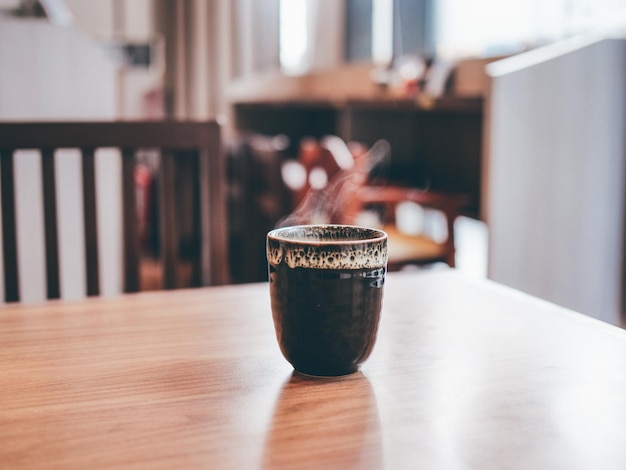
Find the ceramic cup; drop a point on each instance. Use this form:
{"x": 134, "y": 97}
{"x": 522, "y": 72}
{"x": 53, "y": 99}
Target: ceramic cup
{"x": 326, "y": 289}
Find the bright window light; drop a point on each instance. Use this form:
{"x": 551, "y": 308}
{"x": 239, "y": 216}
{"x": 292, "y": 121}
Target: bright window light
{"x": 488, "y": 27}
{"x": 382, "y": 31}
{"x": 472, "y": 28}
{"x": 293, "y": 35}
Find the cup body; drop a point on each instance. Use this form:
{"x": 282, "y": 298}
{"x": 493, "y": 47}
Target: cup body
{"x": 326, "y": 289}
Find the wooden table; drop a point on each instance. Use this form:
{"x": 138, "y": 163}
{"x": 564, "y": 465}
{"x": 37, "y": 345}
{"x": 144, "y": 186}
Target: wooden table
{"x": 465, "y": 374}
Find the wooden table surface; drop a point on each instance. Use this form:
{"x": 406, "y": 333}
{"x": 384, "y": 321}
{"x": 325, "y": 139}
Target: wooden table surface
{"x": 465, "y": 374}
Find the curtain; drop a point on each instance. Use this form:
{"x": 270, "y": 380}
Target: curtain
{"x": 312, "y": 35}
{"x": 255, "y": 31}
{"x": 197, "y": 55}
{"x": 326, "y": 34}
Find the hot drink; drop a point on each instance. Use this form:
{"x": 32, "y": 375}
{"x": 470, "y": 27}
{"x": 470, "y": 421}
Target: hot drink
{"x": 326, "y": 287}
{"x": 326, "y": 321}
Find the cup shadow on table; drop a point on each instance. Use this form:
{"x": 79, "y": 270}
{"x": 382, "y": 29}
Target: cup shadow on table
{"x": 319, "y": 420}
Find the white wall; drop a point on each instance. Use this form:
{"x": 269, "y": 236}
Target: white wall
{"x": 53, "y": 72}
{"x": 56, "y": 73}
{"x": 555, "y": 174}
{"x": 94, "y": 17}
{"x": 107, "y": 19}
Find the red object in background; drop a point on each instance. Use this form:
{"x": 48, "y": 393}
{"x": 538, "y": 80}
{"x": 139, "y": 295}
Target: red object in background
{"x": 143, "y": 191}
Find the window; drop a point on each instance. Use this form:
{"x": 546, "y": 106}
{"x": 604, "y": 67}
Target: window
{"x": 492, "y": 27}
{"x": 311, "y": 34}
{"x": 380, "y": 30}
{"x": 293, "y": 35}
{"x": 318, "y": 33}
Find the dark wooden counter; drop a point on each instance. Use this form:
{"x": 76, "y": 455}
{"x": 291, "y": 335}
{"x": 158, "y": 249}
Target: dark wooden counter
{"x": 433, "y": 142}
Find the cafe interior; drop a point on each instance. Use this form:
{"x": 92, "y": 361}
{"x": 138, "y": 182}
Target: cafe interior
{"x": 485, "y": 136}
{"x": 148, "y": 146}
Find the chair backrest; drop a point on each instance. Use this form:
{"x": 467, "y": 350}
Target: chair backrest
{"x": 173, "y": 140}
{"x": 362, "y": 193}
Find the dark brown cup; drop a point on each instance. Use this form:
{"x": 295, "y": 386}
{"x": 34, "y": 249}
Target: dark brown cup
{"x": 326, "y": 289}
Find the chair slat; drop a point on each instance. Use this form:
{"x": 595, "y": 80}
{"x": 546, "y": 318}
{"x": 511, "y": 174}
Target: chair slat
{"x": 131, "y": 241}
{"x": 168, "y": 227}
{"x": 9, "y": 227}
{"x": 90, "y": 222}
{"x": 206, "y": 251}
{"x": 214, "y": 238}
{"x": 191, "y": 159}
{"x": 50, "y": 223}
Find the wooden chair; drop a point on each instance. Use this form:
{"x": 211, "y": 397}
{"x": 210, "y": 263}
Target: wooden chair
{"x": 175, "y": 140}
{"x": 353, "y": 193}
{"x": 408, "y": 248}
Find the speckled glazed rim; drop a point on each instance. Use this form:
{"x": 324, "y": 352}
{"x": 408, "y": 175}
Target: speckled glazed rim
{"x": 327, "y": 247}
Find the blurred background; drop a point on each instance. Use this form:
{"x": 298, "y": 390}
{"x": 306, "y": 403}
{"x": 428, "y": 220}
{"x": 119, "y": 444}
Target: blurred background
{"x": 194, "y": 58}
{"x": 516, "y": 108}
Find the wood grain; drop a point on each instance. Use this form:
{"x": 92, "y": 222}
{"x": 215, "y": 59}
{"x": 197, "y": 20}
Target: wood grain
{"x": 465, "y": 374}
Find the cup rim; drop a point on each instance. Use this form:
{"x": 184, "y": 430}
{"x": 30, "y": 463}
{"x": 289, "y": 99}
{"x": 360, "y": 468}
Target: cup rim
{"x": 275, "y": 235}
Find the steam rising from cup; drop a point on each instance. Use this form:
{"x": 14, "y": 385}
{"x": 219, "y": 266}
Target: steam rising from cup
{"x": 326, "y": 200}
